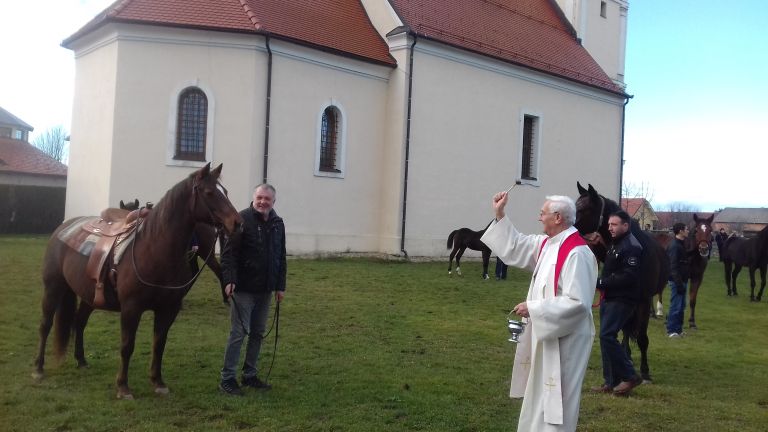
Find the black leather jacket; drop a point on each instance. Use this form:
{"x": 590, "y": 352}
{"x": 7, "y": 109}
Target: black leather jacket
{"x": 254, "y": 259}
{"x": 679, "y": 267}
{"x": 621, "y": 270}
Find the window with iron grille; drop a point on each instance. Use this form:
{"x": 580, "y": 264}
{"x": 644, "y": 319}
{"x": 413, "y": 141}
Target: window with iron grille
{"x": 329, "y": 140}
{"x": 191, "y": 129}
{"x": 530, "y": 144}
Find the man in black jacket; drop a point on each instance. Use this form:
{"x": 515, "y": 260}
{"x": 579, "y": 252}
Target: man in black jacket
{"x": 679, "y": 272}
{"x": 620, "y": 293}
{"x": 254, "y": 266}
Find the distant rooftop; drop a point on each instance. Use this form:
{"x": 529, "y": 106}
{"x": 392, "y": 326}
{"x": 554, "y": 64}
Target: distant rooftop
{"x": 6, "y": 118}
{"x": 21, "y": 157}
{"x": 743, "y": 215}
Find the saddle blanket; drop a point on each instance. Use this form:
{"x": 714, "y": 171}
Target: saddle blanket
{"x": 80, "y": 238}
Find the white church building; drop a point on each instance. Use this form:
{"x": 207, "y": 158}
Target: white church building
{"x": 383, "y": 124}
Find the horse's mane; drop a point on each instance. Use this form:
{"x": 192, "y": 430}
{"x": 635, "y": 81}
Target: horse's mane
{"x": 177, "y": 197}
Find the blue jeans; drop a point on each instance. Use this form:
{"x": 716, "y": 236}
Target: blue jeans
{"x": 617, "y": 365}
{"x": 676, "y": 307}
{"x": 251, "y": 310}
{"x": 501, "y": 269}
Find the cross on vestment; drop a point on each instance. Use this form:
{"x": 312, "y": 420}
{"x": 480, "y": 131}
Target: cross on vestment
{"x": 550, "y": 384}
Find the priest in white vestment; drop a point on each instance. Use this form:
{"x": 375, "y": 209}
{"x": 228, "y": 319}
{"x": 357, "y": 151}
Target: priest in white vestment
{"x": 551, "y": 358}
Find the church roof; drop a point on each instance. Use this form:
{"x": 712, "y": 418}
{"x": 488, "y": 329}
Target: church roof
{"x": 21, "y": 157}
{"x": 339, "y": 26}
{"x": 530, "y": 33}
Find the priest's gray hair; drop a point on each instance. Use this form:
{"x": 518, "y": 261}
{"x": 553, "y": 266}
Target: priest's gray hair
{"x": 565, "y": 206}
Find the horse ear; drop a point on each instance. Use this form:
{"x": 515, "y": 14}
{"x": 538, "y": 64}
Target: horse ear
{"x": 204, "y": 171}
{"x": 582, "y": 191}
{"x": 122, "y": 205}
{"x": 592, "y": 191}
{"x": 136, "y": 202}
{"x": 217, "y": 171}
{"x": 696, "y": 218}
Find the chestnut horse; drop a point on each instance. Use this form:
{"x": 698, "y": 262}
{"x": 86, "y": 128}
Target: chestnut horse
{"x": 592, "y": 211}
{"x": 752, "y": 253}
{"x": 461, "y": 239}
{"x": 153, "y": 274}
{"x": 206, "y": 242}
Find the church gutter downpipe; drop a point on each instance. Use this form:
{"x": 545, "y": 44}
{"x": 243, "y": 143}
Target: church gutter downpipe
{"x": 407, "y": 145}
{"x": 627, "y": 97}
{"x": 268, "y": 108}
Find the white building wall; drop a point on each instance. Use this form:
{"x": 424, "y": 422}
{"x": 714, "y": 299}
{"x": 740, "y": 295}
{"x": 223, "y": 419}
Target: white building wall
{"x": 327, "y": 214}
{"x": 90, "y": 151}
{"x": 466, "y": 143}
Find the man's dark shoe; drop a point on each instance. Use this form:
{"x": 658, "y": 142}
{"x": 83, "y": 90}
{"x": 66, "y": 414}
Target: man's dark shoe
{"x": 625, "y": 387}
{"x": 255, "y": 382}
{"x": 605, "y": 388}
{"x": 230, "y": 387}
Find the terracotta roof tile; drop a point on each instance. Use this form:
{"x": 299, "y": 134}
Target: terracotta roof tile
{"x": 337, "y": 25}
{"x": 530, "y": 33}
{"x": 632, "y": 205}
{"x": 21, "y": 157}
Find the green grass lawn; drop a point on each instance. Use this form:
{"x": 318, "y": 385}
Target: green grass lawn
{"x": 368, "y": 345}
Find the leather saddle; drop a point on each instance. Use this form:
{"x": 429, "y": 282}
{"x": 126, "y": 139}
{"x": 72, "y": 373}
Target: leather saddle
{"x": 111, "y": 228}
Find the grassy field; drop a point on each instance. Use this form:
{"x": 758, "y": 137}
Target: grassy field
{"x": 369, "y": 345}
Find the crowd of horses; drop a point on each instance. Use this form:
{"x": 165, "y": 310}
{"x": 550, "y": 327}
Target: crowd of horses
{"x": 592, "y": 211}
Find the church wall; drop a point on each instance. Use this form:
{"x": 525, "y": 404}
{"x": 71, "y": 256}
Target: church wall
{"x": 90, "y": 151}
{"x": 466, "y": 143}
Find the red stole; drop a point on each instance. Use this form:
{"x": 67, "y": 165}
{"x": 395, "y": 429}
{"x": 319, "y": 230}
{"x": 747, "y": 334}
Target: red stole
{"x": 569, "y": 243}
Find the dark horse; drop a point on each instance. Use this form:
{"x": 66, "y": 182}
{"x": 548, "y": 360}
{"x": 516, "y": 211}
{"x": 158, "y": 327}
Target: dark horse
{"x": 153, "y": 274}
{"x": 752, "y": 253}
{"x": 592, "y": 211}
{"x": 464, "y": 238}
{"x": 206, "y": 242}
{"x": 698, "y": 246}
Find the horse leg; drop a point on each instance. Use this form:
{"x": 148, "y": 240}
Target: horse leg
{"x": 734, "y": 275}
{"x": 486, "y": 260}
{"x": 52, "y": 295}
{"x": 727, "y": 265}
{"x": 163, "y": 320}
{"x": 763, "y": 269}
{"x": 450, "y": 259}
{"x": 81, "y": 320}
{"x": 642, "y": 341}
{"x": 692, "y": 294}
{"x": 752, "y": 283}
{"x": 129, "y": 323}
{"x": 458, "y": 258}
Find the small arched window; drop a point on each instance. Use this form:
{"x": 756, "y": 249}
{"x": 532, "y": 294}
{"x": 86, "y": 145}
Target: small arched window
{"x": 330, "y": 128}
{"x": 192, "y": 122}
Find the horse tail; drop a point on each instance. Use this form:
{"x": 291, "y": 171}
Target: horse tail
{"x": 65, "y": 317}
{"x": 450, "y": 239}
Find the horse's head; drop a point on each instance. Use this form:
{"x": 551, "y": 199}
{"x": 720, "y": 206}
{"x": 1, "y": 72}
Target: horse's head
{"x": 209, "y": 200}
{"x": 590, "y": 211}
{"x": 702, "y": 234}
{"x": 591, "y": 219}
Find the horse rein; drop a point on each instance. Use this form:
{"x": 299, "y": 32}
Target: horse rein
{"x": 189, "y": 283}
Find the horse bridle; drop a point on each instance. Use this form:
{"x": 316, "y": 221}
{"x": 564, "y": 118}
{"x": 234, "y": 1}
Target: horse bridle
{"x": 189, "y": 283}
{"x": 596, "y": 231}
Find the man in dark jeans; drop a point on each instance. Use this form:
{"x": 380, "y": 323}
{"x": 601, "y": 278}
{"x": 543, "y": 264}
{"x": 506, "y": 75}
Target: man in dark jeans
{"x": 620, "y": 293}
{"x": 254, "y": 267}
{"x": 679, "y": 273}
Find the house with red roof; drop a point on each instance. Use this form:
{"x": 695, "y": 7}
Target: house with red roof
{"x": 641, "y": 210}
{"x": 383, "y": 124}
{"x": 32, "y": 184}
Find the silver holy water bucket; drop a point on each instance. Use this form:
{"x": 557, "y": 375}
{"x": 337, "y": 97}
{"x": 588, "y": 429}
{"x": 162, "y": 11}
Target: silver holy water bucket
{"x": 516, "y": 328}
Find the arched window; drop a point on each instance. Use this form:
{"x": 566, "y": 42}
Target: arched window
{"x": 191, "y": 126}
{"x": 330, "y": 128}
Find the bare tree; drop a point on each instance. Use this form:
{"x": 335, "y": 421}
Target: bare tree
{"x": 52, "y": 142}
{"x": 637, "y": 190}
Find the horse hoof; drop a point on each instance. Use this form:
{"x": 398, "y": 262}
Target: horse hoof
{"x": 486, "y": 277}
{"x": 124, "y": 396}
{"x": 162, "y": 391}
{"x": 38, "y": 375}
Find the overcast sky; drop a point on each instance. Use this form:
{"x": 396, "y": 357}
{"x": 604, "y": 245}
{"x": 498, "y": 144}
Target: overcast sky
{"x": 696, "y": 130}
